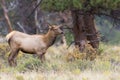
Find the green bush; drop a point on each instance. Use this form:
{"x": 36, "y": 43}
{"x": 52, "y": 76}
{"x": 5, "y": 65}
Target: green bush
{"x": 28, "y": 62}
{"x": 69, "y": 37}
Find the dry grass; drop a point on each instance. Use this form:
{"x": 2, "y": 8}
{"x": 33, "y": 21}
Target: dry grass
{"x": 105, "y": 67}
{"x": 61, "y": 75}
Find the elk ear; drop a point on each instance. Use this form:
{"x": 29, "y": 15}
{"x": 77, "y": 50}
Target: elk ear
{"x": 59, "y": 25}
{"x": 51, "y": 27}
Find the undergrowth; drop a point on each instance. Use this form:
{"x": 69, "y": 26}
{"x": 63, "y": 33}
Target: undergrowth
{"x": 58, "y": 59}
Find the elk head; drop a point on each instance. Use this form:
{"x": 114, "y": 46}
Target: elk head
{"x": 56, "y": 28}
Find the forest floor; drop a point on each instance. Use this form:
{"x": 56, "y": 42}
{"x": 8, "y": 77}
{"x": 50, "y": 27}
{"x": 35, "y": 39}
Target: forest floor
{"x": 106, "y": 66}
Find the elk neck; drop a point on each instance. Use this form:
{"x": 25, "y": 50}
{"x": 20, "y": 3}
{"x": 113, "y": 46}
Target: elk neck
{"x": 50, "y": 38}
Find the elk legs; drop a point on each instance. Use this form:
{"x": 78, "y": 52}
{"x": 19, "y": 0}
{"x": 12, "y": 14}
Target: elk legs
{"x": 12, "y": 56}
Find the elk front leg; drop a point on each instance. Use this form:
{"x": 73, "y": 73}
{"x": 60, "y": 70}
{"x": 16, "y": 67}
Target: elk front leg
{"x": 41, "y": 56}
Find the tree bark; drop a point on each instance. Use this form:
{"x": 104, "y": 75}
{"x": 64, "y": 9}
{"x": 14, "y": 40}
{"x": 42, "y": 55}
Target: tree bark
{"x": 79, "y": 33}
{"x": 84, "y": 29}
{"x": 91, "y": 31}
{"x": 6, "y": 15}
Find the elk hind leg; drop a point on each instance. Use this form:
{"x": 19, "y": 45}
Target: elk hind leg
{"x": 11, "y": 58}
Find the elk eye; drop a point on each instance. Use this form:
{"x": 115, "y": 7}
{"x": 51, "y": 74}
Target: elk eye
{"x": 55, "y": 29}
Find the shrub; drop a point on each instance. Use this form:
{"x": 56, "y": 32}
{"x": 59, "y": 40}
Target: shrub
{"x": 28, "y": 62}
{"x": 88, "y": 53}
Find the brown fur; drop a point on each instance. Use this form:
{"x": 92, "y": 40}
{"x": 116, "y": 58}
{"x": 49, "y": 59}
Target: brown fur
{"x": 33, "y": 44}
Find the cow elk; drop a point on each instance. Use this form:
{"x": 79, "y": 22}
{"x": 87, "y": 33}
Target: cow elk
{"x": 32, "y": 44}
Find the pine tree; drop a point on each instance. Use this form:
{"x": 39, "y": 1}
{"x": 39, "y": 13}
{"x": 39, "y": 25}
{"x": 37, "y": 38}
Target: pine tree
{"x": 83, "y": 12}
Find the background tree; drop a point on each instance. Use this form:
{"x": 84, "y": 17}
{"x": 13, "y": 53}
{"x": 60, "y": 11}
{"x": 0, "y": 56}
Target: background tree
{"x": 3, "y": 5}
{"x": 26, "y": 18}
{"x": 21, "y": 14}
{"x": 83, "y": 12}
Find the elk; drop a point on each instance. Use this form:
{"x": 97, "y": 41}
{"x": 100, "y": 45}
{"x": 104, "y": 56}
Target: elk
{"x": 32, "y": 44}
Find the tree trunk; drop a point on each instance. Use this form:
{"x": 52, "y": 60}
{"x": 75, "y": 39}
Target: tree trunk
{"x": 79, "y": 33}
{"x": 6, "y": 16}
{"x": 91, "y": 31}
{"x": 84, "y": 29}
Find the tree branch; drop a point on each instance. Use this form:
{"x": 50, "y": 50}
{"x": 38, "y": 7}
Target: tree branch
{"x": 34, "y": 9}
{"x": 6, "y": 15}
{"x": 109, "y": 15}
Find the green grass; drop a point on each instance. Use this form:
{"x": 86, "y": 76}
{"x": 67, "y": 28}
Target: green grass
{"x": 56, "y": 67}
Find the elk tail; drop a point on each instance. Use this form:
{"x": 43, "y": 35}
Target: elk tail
{"x": 9, "y": 36}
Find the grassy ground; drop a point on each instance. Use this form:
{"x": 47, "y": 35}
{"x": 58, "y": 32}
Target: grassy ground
{"x": 56, "y": 67}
